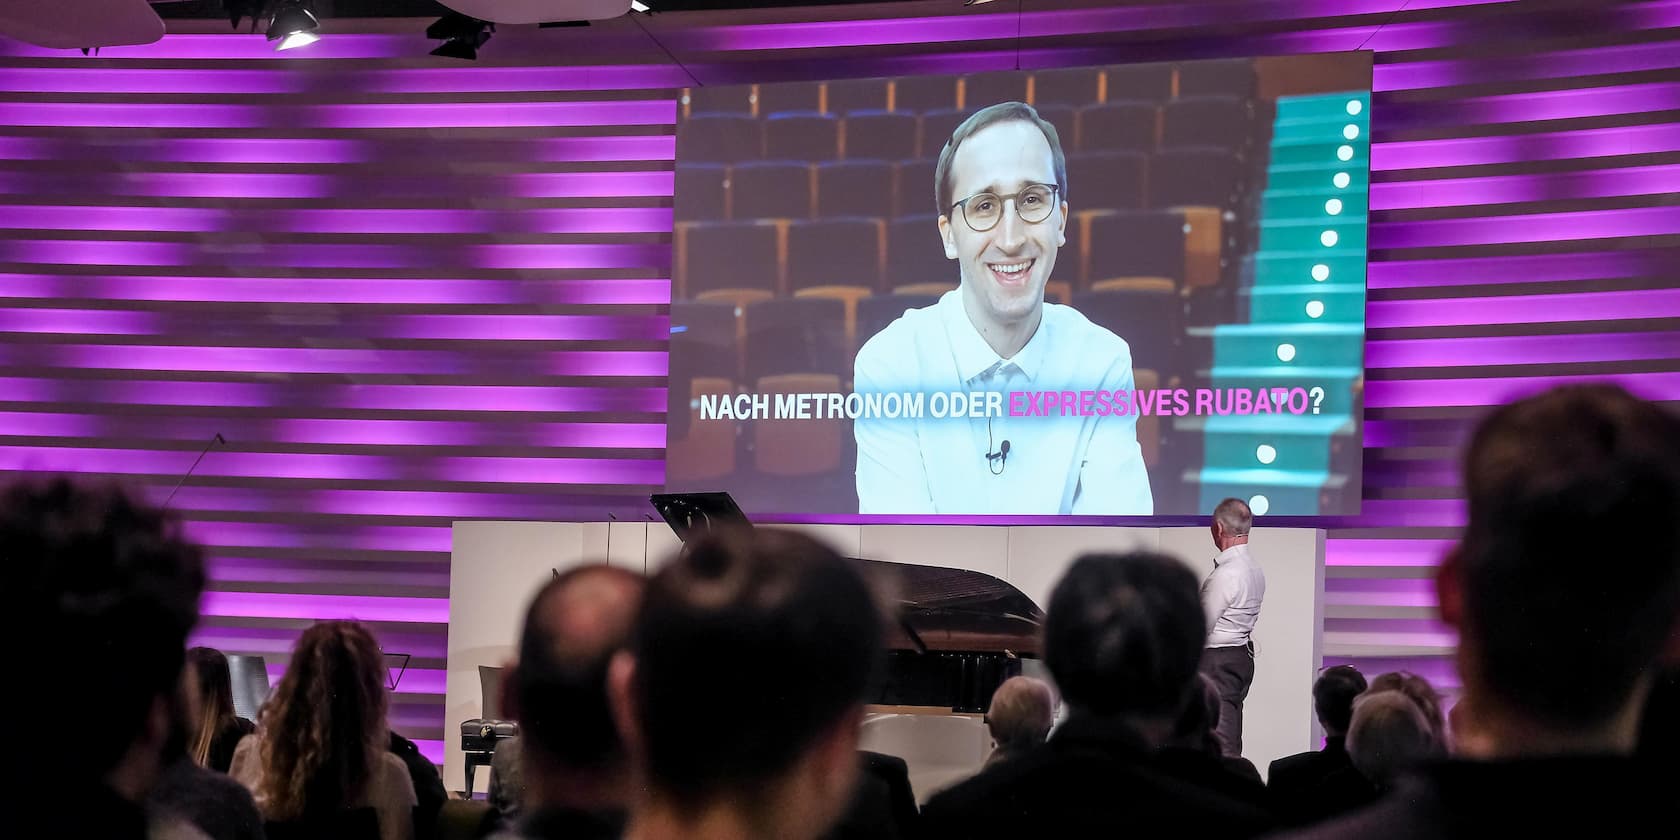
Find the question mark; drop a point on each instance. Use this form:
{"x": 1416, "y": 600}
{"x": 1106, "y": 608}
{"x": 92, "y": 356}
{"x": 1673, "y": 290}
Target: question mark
{"x": 1317, "y": 395}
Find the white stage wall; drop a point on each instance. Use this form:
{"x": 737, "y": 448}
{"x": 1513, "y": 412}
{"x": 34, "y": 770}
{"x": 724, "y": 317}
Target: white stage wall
{"x": 496, "y": 566}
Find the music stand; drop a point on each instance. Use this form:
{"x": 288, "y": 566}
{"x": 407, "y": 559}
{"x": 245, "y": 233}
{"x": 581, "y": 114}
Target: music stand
{"x": 396, "y": 664}
{"x": 250, "y": 685}
{"x": 695, "y": 514}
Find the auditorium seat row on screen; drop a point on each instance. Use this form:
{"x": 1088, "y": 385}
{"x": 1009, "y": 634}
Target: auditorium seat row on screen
{"x": 1074, "y": 87}
{"x": 796, "y": 190}
{"x": 1220, "y": 121}
{"x": 778, "y": 258}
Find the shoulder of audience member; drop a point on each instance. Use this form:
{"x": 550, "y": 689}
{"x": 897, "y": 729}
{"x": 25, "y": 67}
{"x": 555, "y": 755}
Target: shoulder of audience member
{"x": 1399, "y": 815}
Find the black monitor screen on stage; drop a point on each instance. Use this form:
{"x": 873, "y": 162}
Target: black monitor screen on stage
{"x": 1127, "y": 290}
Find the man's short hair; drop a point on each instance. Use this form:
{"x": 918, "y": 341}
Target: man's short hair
{"x": 1570, "y": 559}
{"x": 1333, "y": 695}
{"x": 750, "y": 646}
{"x": 575, "y": 624}
{"x": 983, "y": 118}
{"x": 1021, "y": 713}
{"x": 1388, "y": 736}
{"x": 115, "y": 585}
{"x": 1124, "y": 634}
{"x": 1234, "y": 516}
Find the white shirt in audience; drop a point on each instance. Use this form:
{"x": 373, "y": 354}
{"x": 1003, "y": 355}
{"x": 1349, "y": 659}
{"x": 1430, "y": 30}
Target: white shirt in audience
{"x": 1231, "y": 597}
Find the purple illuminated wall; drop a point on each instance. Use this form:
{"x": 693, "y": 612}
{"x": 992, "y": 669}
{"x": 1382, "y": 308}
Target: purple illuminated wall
{"x": 408, "y": 292}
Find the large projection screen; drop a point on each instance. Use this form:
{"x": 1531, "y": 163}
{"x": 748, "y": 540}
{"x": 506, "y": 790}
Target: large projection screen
{"x": 1129, "y": 290}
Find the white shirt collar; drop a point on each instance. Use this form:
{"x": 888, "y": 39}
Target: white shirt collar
{"x": 1240, "y": 550}
{"x": 971, "y": 352}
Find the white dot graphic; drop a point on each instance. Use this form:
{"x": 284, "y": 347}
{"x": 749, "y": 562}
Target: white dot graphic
{"x": 1315, "y": 309}
{"x": 1329, "y": 238}
{"x": 1265, "y": 454}
{"x": 1344, "y": 152}
{"x": 1259, "y": 505}
{"x": 1333, "y": 207}
{"x": 1350, "y": 131}
{"x": 1354, "y": 106}
{"x": 1321, "y": 272}
{"x": 1286, "y": 352}
{"x": 1341, "y": 180}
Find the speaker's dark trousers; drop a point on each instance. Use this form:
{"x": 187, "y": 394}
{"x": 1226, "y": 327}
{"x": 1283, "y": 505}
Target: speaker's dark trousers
{"x": 1232, "y": 671}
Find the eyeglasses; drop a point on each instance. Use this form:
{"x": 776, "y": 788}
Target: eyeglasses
{"x": 982, "y": 211}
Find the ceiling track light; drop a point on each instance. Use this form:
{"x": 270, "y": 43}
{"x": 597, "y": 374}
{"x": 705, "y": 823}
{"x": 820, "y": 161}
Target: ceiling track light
{"x": 291, "y": 23}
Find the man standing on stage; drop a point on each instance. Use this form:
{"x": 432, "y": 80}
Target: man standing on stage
{"x": 1231, "y": 598}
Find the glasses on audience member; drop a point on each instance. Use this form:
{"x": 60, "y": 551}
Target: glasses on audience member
{"x": 982, "y": 211}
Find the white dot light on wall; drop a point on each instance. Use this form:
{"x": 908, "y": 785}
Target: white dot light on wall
{"x": 1350, "y": 131}
{"x": 1329, "y": 238}
{"x": 1333, "y": 207}
{"x": 1354, "y": 106}
{"x": 1286, "y": 352}
{"x": 1344, "y": 152}
{"x": 1315, "y": 309}
{"x": 1265, "y": 454}
{"x": 1341, "y": 180}
{"x": 1321, "y": 272}
{"x": 1259, "y": 504}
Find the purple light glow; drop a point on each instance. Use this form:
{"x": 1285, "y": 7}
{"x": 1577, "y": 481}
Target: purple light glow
{"x": 324, "y": 607}
{"x": 336, "y": 290}
{"x": 309, "y": 360}
{"x": 605, "y": 471}
{"x": 440, "y": 115}
{"x": 228, "y": 82}
{"x": 1560, "y": 64}
{"x": 1517, "y": 148}
{"x": 1042, "y": 24}
{"x": 1506, "y": 189}
{"x": 1541, "y": 268}
{"x": 524, "y": 327}
{"x": 580, "y": 220}
{"x": 519, "y": 79}
{"x": 1520, "y": 350}
{"x": 455, "y": 398}
{"x": 341, "y": 45}
{"x": 172, "y": 184}
{"x": 1531, "y": 107}
{"x": 1536, "y": 227}
{"x": 332, "y": 255}
{"x": 266, "y": 570}
{"x": 325, "y": 432}
{"x": 433, "y": 539}
{"x": 231, "y": 150}
{"x": 77, "y": 321}
{"x": 155, "y": 80}
{"x": 1498, "y": 390}
{"x": 1413, "y": 513}
{"x": 414, "y": 680}
{"x": 421, "y": 503}
{"x": 594, "y": 184}
{"x": 422, "y": 643}
{"x": 1525, "y": 309}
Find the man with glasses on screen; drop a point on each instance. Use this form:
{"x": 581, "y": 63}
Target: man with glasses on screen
{"x": 1001, "y": 187}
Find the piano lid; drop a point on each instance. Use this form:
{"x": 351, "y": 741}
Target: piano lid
{"x": 940, "y": 609}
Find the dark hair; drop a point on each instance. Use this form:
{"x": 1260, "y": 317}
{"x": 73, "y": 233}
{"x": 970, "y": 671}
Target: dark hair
{"x": 111, "y": 582}
{"x": 1421, "y": 692}
{"x": 324, "y": 730}
{"x": 983, "y": 118}
{"x": 749, "y": 647}
{"x": 1389, "y": 736}
{"x": 1333, "y": 695}
{"x": 1198, "y": 720}
{"x": 575, "y": 624}
{"x": 1570, "y": 559}
{"x": 1124, "y": 634}
{"x": 212, "y": 682}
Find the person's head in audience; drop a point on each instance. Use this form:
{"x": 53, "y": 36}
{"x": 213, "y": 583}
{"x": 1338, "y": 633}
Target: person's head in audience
{"x": 1333, "y": 695}
{"x": 1197, "y": 723}
{"x": 324, "y": 729}
{"x": 1565, "y": 586}
{"x": 1020, "y": 716}
{"x": 1001, "y": 188}
{"x": 211, "y": 687}
{"x": 114, "y": 585}
{"x": 742, "y": 693}
{"x": 1389, "y": 736}
{"x": 1122, "y": 638}
{"x": 1428, "y": 700}
{"x": 570, "y": 751}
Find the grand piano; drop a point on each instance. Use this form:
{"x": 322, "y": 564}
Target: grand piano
{"x": 958, "y": 634}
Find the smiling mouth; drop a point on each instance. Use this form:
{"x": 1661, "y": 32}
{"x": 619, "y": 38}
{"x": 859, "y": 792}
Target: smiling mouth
{"x": 1011, "y": 273}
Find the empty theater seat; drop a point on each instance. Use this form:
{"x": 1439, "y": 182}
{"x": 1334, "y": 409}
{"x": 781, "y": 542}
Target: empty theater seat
{"x": 847, "y": 95}
{"x": 913, "y": 187}
{"x": 1107, "y": 180}
{"x": 1149, "y": 319}
{"x": 794, "y": 335}
{"x": 802, "y": 136}
{"x": 854, "y": 188}
{"x": 1135, "y": 243}
{"x": 936, "y": 129}
{"x": 719, "y": 138}
{"x": 1201, "y": 175}
{"x": 1223, "y": 121}
{"x": 701, "y": 192}
{"x": 1075, "y": 87}
{"x": 1230, "y": 77}
{"x": 794, "y": 96}
{"x": 715, "y": 256}
{"x": 915, "y": 253}
{"x": 1127, "y": 125}
{"x": 770, "y": 190}
{"x": 1152, "y": 82}
{"x": 983, "y": 89}
{"x": 917, "y": 94}
{"x": 834, "y": 252}
{"x": 880, "y": 135}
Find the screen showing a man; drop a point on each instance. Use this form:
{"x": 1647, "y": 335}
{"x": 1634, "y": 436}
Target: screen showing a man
{"x": 1002, "y": 192}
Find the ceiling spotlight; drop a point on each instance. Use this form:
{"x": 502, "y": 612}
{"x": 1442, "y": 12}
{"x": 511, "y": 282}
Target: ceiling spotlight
{"x": 976, "y": 2}
{"x": 293, "y": 25}
{"x": 639, "y": 6}
{"x": 461, "y": 35}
